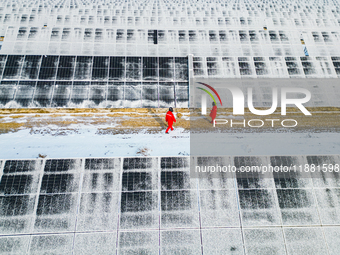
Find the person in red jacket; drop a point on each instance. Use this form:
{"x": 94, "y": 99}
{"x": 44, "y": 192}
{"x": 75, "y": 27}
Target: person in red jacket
{"x": 170, "y": 118}
{"x": 213, "y": 112}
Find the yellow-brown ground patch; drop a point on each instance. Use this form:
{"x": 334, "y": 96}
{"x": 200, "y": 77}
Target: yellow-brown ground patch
{"x": 114, "y": 121}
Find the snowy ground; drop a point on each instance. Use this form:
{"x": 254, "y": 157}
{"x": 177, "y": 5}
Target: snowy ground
{"x": 87, "y": 142}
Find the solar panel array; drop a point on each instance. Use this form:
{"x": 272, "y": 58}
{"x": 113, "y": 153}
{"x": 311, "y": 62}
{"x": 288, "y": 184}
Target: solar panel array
{"x": 87, "y": 81}
{"x": 267, "y": 67}
{"x": 227, "y": 39}
{"x": 150, "y": 205}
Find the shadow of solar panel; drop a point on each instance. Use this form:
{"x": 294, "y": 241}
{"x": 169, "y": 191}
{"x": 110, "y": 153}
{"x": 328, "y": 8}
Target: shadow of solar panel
{"x": 58, "y": 183}
{"x": 54, "y": 204}
{"x": 137, "y": 163}
{"x": 175, "y": 200}
{"x": 171, "y": 180}
{"x": 293, "y": 198}
{"x": 136, "y": 201}
{"x": 59, "y": 165}
{"x": 254, "y": 199}
{"x": 16, "y": 205}
{"x": 15, "y": 166}
{"x": 16, "y": 184}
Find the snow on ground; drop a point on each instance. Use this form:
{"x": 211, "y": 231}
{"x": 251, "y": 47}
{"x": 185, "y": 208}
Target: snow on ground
{"x": 85, "y": 141}
{"x": 239, "y": 144}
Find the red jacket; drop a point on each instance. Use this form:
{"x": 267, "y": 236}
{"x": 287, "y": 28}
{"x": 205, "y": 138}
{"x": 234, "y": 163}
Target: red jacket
{"x": 213, "y": 112}
{"x": 170, "y": 118}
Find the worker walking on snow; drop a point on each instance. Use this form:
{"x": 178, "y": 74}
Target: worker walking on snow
{"x": 213, "y": 112}
{"x": 170, "y": 118}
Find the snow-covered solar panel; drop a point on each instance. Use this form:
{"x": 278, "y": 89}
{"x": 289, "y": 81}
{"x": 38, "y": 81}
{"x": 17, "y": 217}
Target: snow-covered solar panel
{"x": 150, "y": 204}
{"x": 87, "y": 81}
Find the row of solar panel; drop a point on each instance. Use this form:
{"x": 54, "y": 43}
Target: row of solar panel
{"x": 256, "y": 241}
{"x": 264, "y": 66}
{"x": 93, "y": 68}
{"x": 144, "y": 36}
{"x": 110, "y": 95}
{"x": 140, "y": 163}
{"x": 139, "y": 188}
